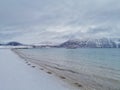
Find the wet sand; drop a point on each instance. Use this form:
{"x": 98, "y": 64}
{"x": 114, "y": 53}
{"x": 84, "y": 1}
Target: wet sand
{"x": 77, "y": 80}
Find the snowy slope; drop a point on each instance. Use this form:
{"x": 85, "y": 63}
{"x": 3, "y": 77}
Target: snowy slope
{"x": 16, "y": 75}
{"x": 92, "y": 43}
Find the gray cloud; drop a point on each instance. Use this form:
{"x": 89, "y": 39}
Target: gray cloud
{"x": 43, "y": 20}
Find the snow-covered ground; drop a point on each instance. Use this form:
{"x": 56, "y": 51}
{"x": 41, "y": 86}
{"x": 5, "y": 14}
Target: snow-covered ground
{"x": 15, "y": 74}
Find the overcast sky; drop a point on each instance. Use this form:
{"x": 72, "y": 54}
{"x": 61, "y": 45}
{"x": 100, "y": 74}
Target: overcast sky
{"x": 34, "y": 21}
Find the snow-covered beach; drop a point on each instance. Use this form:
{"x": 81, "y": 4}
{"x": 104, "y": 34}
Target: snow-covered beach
{"x": 59, "y": 44}
{"x": 15, "y": 74}
{"x": 20, "y": 70}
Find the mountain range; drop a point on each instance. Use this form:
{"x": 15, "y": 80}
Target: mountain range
{"x": 92, "y": 43}
{"x": 76, "y": 43}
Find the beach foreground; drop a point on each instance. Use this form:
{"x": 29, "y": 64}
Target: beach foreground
{"x": 15, "y": 74}
{"x": 79, "y": 80}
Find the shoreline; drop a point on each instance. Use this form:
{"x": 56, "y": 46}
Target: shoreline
{"x": 79, "y": 81}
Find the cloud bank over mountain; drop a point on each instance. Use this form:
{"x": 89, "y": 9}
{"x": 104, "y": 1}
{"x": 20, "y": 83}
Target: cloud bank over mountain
{"x": 31, "y": 21}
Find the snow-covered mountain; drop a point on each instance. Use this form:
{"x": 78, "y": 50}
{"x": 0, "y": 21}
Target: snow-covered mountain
{"x": 14, "y": 44}
{"x": 11, "y": 44}
{"x": 75, "y": 43}
{"x": 92, "y": 43}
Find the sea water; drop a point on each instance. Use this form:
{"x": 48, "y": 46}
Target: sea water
{"x": 105, "y": 58}
{"x": 102, "y": 62}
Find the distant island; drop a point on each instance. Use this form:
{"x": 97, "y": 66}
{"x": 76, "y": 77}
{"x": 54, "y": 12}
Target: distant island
{"x": 13, "y": 43}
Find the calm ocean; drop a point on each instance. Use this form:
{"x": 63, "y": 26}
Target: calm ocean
{"x": 108, "y": 58}
{"x": 97, "y": 61}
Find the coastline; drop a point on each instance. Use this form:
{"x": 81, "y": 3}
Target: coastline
{"x": 79, "y": 81}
